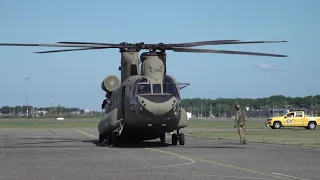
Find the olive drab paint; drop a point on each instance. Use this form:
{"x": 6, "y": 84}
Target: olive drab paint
{"x": 145, "y": 105}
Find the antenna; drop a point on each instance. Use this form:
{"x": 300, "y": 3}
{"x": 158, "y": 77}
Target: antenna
{"x": 27, "y": 78}
{"x": 51, "y": 104}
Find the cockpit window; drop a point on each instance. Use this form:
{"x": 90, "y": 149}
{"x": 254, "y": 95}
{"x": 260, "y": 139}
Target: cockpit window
{"x": 170, "y": 88}
{"x": 144, "y": 89}
{"x": 156, "y": 88}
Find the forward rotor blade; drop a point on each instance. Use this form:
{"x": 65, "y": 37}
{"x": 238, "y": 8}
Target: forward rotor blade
{"x": 189, "y": 44}
{"x": 224, "y": 52}
{"x": 66, "y": 50}
{"x": 99, "y": 44}
{"x": 47, "y": 45}
{"x": 94, "y": 43}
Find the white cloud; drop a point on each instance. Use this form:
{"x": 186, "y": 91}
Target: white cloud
{"x": 265, "y": 66}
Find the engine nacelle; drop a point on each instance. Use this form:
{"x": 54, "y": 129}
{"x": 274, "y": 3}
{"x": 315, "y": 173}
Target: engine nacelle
{"x": 110, "y": 83}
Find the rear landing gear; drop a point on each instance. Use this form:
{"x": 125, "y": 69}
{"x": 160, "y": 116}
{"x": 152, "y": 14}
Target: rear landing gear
{"x": 178, "y": 137}
{"x": 163, "y": 138}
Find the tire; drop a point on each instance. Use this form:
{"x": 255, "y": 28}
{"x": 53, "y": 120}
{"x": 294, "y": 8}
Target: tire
{"x": 102, "y": 137}
{"x": 312, "y": 125}
{"x": 277, "y": 125}
{"x": 174, "y": 139}
{"x": 163, "y": 138}
{"x": 110, "y": 139}
{"x": 181, "y": 139}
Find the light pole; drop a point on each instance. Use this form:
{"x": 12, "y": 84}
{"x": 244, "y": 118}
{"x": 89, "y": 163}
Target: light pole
{"x": 27, "y": 96}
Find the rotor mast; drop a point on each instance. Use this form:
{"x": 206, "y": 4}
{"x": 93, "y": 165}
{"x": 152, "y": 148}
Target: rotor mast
{"x": 129, "y": 62}
{"x": 154, "y": 65}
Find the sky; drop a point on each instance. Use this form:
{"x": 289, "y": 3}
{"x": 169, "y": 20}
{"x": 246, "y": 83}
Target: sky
{"x": 73, "y": 79}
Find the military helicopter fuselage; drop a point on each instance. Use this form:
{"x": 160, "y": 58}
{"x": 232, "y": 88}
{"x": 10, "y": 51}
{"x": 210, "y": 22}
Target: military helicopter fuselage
{"x": 143, "y": 106}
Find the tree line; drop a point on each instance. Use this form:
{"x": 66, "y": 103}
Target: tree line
{"x": 194, "y": 105}
{"x": 220, "y": 105}
{"x": 44, "y": 111}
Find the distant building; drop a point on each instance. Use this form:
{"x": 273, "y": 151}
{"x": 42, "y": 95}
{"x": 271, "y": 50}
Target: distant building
{"x": 189, "y": 115}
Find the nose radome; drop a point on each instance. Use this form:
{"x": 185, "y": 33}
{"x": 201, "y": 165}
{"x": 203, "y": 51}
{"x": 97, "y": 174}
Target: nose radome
{"x": 156, "y": 104}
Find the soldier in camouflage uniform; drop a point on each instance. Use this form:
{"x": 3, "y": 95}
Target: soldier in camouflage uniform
{"x": 240, "y": 121}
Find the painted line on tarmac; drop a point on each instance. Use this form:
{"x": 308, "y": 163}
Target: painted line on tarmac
{"x": 289, "y": 176}
{"x": 216, "y": 163}
{"x": 202, "y": 160}
{"x": 2, "y": 147}
{"x": 86, "y": 133}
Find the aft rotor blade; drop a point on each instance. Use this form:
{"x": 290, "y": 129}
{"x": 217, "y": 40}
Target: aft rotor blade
{"x": 201, "y": 43}
{"x": 225, "y": 52}
{"x": 66, "y": 50}
{"x": 46, "y": 45}
{"x": 252, "y": 42}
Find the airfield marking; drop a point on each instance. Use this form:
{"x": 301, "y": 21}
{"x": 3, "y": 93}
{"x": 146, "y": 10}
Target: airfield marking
{"x": 86, "y": 133}
{"x": 193, "y": 174}
{"x": 176, "y": 165}
{"x": 207, "y": 161}
{"x": 52, "y": 132}
{"x": 1, "y": 147}
{"x": 289, "y": 176}
{"x": 216, "y": 163}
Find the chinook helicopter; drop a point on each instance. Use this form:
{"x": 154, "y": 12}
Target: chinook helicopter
{"x": 145, "y": 105}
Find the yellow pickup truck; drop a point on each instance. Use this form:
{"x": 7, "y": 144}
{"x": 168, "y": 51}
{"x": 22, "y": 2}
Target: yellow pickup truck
{"x": 293, "y": 119}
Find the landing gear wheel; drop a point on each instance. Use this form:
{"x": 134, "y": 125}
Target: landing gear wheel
{"x": 115, "y": 142}
{"x": 174, "y": 139}
{"x": 181, "y": 139}
{"x": 163, "y": 138}
{"x": 102, "y": 137}
{"x": 110, "y": 139}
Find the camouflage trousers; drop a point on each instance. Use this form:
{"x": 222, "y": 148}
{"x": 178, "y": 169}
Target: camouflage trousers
{"x": 242, "y": 132}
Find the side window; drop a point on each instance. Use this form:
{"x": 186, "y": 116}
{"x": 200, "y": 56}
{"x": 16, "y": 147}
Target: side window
{"x": 170, "y": 88}
{"x": 290, "y": 115}
{"x": 298, "y": 114}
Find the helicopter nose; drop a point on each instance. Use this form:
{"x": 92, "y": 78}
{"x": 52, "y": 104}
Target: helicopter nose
{"x": 156, "y": 105}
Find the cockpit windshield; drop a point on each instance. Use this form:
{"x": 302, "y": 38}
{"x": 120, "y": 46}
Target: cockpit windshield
{"x": 170, "y": 88}
{"x": 144, "y": 89}
{"x": 156, "y": 88}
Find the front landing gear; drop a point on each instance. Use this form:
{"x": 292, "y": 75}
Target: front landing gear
{"x": 112, "y": 139}
{"x": 102, "y": 137}
{"x": 178, "y": 137}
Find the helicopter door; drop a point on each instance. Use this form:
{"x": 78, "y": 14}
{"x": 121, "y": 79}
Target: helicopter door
{"x": 123, "y": 102}
{"x": 132, "y": 91}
